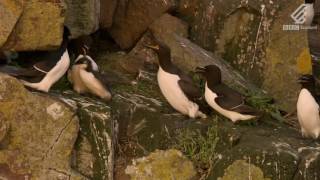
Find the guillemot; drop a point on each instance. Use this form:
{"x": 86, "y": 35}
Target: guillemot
{"x": 308, "y": 108}
{"x": 222, "y": 98}
{"x": 176, "y": 86}
{"x": 85, "y": 77}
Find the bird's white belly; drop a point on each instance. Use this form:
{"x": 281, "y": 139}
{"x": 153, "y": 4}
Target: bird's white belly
{"x": 76, "y": 80}
{"x": 309, "y": 14}
{"x": 308, "y": 114}
{"x": 170, "y": 88}
{"x": 233, "y": 116}
{"x": 53, "y": 75}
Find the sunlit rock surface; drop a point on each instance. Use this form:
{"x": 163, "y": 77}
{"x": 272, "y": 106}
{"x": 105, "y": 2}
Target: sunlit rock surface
{"x": 132, "y": 19}
{"x": 37, "y": 134}
{"x": 10, "y": 11}
{"x": 39, "y": 27}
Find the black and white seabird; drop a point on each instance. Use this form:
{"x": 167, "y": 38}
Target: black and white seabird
{"x": 309, "y": 12}
{"x": 176, "y": 86}
{"x": 308, "y": 108}
{"x": 42, "y": 75}
{"x": 85, "y": 77}
{"x": 222, "y": 98}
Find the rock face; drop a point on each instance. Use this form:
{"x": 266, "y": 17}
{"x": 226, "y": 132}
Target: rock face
{"x": 10, "y": 12}
{"x": 186, "y": 54}
{"x": 242, "y": 170}
{"x": 250, "y": 35}
{"x": 96, "y": 145}
{"x": 132, "y": 19}
{"x": 146, "y": 122}
{"x": 82, "y": 17}
{"x": 273, "y": 151}
{"x": 107, "y": 9}
{"x": 170, "y": 164}
{"x": 42, "y": 132}
{"x": 40, "y": 27}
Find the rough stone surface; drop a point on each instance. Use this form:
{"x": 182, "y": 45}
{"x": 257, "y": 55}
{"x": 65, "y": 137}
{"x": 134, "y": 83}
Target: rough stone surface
{"x": 188, "y": 56}
{"x": 10, "y": 11}
{"x": 278, "y": 151}
{"x": 96, "y": 125}
{"x": 240, "y": 169}
{"x": 132, "y": 19}
{"x": 169, "y": 164}
{"x": 83, "y": 159}
{"x": 40, "y": 27}
{"x": 147, "y": 122}
{"x": 82, "y": 17}
{"x": 107, "y": 9}
{"x": 41, "y": 137}
{"x": 250, "y": 35}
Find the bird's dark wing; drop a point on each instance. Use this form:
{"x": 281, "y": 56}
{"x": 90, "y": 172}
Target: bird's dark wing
{"x": 232, "y": 100}
{"x": 189, "y": 89}
{"x": 102, "y": 78}
{"x": 20, "y": 72}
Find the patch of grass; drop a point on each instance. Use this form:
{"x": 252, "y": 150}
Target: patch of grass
{"x": 198, "y": 147}
{"x": 265, "y": 104}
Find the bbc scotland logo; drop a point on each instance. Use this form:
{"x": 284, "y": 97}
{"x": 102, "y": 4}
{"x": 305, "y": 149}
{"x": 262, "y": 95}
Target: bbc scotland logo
{"x": 299, "y": 18}
{"x": 298, "y": 15}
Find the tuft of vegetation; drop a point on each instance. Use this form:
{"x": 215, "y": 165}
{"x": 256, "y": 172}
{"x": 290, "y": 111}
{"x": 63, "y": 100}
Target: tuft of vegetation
{"x": 265, "y": 104}
{"x": 198, "y": 147}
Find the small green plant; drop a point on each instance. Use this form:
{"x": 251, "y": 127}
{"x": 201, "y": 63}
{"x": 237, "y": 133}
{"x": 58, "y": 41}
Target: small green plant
{"x": 265, "y": 104}
{"x": 198, "y": 147}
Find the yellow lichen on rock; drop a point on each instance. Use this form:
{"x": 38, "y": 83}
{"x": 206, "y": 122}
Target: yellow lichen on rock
{"x": 304, "y": 62}
{"x": 162, "y": 165}
{"x": 240, "y": 170}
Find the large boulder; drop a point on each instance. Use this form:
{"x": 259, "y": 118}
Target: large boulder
{"x": 251, "y": 35}
{"x": 82, "y": 17}
{"x": 37, "y": 134}
{"x": 271, "y": 150}
{"x": 186, "y": 54}
{"x": 132, "y": 19}
{"x": 95, "y": 147}
{"x": 10, "y": 11}
{"x": 170, "y": 164}
{"x": 107, "y": 9}
{"x": 40, "y": 26}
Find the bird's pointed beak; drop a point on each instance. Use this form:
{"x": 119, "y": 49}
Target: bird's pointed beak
{"x": 154, "y": 47}
{"x": 200, "y": 70}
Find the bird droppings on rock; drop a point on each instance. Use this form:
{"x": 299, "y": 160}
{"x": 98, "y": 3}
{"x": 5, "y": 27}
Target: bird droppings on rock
{"x": 55, "y": 111}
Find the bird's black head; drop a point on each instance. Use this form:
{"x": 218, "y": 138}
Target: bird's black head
{"x": 162, "y": 50}
{"x": 307, "y": 81}
{"x": 212, "y": 73}
{"x": 309, "y": 1}
{"x": 85, "y": 61}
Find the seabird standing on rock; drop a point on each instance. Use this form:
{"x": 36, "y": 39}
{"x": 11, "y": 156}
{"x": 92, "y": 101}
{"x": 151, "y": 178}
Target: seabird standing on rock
{"x": 85, "y": 77}
{"x": 42, "y": 75}
{"x": 223, "y": 99}
{"x": 308, "y": 108}
{"x": 176, "y": 86}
